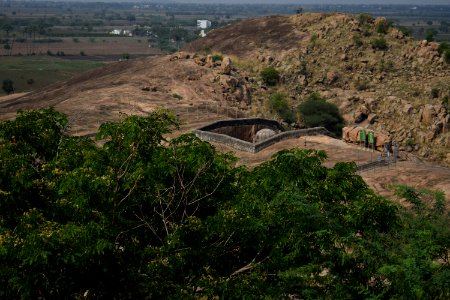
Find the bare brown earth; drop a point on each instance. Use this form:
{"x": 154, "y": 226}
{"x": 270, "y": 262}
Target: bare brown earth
{"x": 273, "y": 33}
{"x": 199, "y": 93}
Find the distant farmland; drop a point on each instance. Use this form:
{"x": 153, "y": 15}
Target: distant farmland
{"x": 33, "y": 72}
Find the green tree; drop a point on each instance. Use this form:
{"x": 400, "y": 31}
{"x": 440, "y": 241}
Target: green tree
{"x": 315, "y": 111}
{"x": 7, "y": 27}
{"x": 383, "y": 26}
{"x": 379, "y": 44}
{"x": 8, "y": 86}
{"x": 280, "y": 105}
{"x": 430, "y": 35}
{"x": 270, "y": 76}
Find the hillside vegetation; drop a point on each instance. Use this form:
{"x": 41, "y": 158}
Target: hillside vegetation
{"x": 138, "y": 217}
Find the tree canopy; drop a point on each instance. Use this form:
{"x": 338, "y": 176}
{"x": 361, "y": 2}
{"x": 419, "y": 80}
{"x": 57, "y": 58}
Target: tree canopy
{"x": 315, "y": 111}
{"x": 138, "y": 216}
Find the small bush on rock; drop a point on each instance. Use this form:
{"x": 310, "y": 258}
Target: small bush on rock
{"x": 270, "y": 76}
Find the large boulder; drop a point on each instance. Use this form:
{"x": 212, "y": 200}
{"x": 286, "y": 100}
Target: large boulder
{"x": 264, "y": 134}
{"x": 428, "y": 114}
{"x": 226, "y": 65}
{"x": 332, "y": 77}
{"x": 381, "y": 139}
{"x": 209, "y": 61}
{"x": 354, "y": 134}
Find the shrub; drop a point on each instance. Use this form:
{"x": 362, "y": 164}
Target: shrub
{"x": 30, "y": 81}
{"x": 361, "y": 84}
{"x": 270, "y": 76}
{"x": 8, "y": 86}
{"x": 365, "y": 18}
{"x": 404, "y": 30}
{"x": 313, "y": 39}
{"x": 443, "y": 47}
{"x": 216, "y": 57}
{"x": 445, "y": 102}
{"x": 280, "y": 105}
{"x": 367, "y": 30}
{"x": 430, "y": 36}
{"x": 383, "y": 27}
{"x": 177, "y": 96}
{"x": 82, "y": 53}
{"x": 447, "y": 56}
{"x": 386, "y": 66}
{"x": 357, "y": 41}
{"x": 434, "y": 92}
{"x": 315, "y": 111}
{"x": 379, "y": 44}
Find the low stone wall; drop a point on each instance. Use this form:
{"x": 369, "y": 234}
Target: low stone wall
{"x": 293, "y": 134}
{"x": 241, "y": 122}
{"x": 205, "y": 134}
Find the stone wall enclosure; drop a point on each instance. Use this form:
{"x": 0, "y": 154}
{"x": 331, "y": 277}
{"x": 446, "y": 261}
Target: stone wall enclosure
{"x": 239, "y": 133}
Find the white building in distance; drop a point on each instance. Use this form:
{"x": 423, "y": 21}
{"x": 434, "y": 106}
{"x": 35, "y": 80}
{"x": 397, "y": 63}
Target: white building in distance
{"x": 124, "y": 32}
{"x": 203, "y": 24}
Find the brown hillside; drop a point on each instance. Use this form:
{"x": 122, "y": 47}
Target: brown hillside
{"x": 276, "y": 33}
{"x": 131, "y": 87}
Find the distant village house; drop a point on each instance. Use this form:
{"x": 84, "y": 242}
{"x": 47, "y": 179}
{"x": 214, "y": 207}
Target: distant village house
{"x": 203, "y": 24}
{"x": 123, "y": 32}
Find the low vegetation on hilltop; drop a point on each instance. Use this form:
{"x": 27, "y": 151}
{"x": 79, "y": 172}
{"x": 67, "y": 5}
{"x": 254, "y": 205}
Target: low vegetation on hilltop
{"x": 138, "y": 216}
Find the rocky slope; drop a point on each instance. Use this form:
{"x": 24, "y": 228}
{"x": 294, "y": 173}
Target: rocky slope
{"x": 187, "y": 86}
{"x": 401, "y": 91}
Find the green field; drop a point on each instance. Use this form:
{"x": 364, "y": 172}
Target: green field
{"x": 30, "y": 73}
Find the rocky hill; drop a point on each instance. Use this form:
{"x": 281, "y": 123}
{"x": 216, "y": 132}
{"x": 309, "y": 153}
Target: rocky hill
{"x": 376, "y": 75}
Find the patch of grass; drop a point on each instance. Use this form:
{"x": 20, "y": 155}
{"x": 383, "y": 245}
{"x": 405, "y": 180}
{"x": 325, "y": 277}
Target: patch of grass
{"x": 313, "y": 40}
{"x": 217, "y": 57}
{"x": 361, "y": 84}
{"x": 278, "y": 103}
{"x": 177, "y": 96}
{"x": 249, "y": 65}
{"x": 386, "y": 66}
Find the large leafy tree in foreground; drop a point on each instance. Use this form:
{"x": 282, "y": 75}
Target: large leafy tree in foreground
{"x": 139, "y": 216}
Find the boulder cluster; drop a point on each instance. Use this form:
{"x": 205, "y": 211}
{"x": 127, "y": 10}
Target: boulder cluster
{"x": 234, "y": 87}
